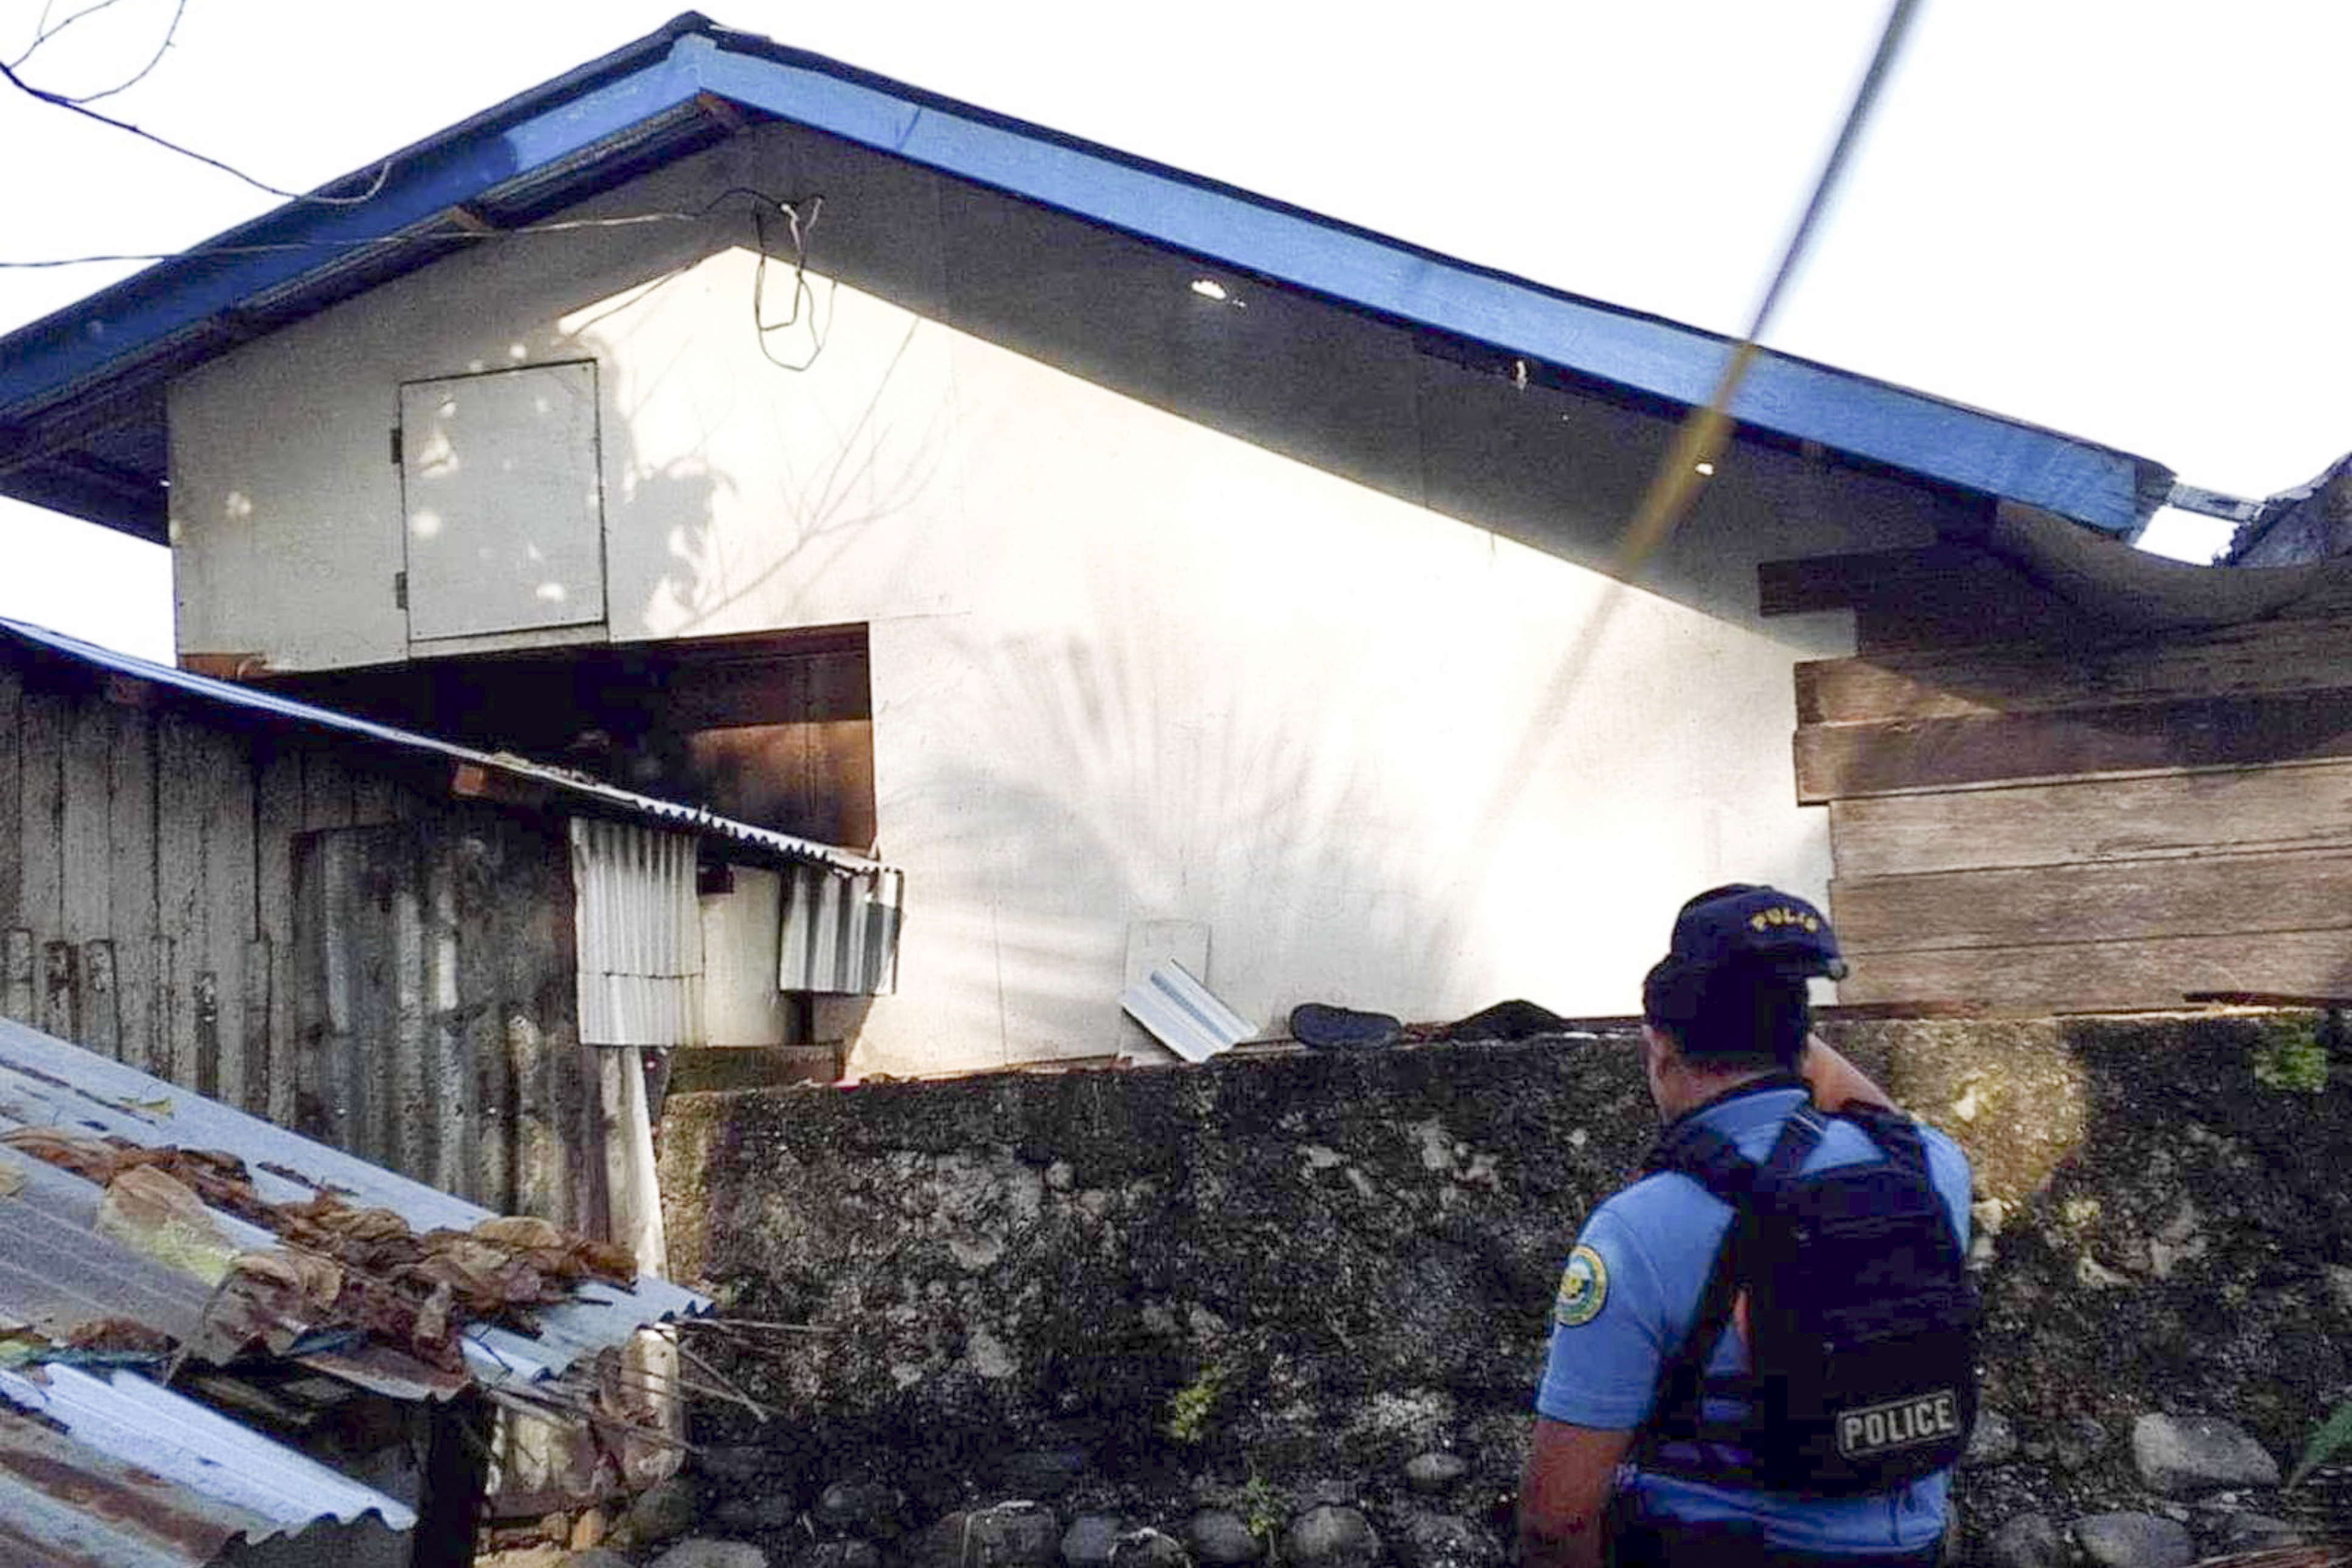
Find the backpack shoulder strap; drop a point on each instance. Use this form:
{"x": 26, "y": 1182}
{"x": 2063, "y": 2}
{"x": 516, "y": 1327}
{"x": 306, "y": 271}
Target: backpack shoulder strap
{"x": 1801, "y": 1135}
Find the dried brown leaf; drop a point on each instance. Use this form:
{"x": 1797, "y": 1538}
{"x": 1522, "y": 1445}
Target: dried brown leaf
{"x": 155, "y": 1213}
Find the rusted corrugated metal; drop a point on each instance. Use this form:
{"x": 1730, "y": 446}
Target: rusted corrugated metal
{"x": 840, "y": 932}
{"x": 639, "y": 928}
{"x": 63, "y": 1505}
{"x": 215, "y": 1467}
{"x": 46, "y": 1083}
{"x": 124, "y": 1470}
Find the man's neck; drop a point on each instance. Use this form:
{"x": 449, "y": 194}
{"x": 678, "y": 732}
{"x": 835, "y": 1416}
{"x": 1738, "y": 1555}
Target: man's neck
{"x": 1687, "y": 1090}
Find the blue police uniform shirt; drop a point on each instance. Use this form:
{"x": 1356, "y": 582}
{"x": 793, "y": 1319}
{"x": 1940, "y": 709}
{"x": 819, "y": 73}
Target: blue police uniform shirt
{"x": 1645, "y": 1254}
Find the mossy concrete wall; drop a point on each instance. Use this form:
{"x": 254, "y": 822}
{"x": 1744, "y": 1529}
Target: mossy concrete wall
{"x": 1319, "y": 1264}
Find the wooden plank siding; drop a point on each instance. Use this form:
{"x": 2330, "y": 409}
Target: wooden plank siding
{"x": 2213, "y": 895}
{"x": 313, "y": 931}
{"x": 2156, "y": 817}
{"x": 2031, "y": 813}
{"x": 2267, "y": 656}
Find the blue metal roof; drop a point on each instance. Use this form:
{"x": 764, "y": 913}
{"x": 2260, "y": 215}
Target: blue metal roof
{"x": 78, "y": 413}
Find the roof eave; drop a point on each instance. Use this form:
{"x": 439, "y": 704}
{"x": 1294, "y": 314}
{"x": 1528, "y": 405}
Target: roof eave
{"x": 598, "y": 112}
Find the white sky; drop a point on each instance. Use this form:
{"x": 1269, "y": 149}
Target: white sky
{"x": 2121, "y": 218}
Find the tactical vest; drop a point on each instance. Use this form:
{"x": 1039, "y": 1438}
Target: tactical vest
{"x": 1861, "y": 1320}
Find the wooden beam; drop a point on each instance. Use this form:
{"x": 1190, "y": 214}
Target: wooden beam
{"x": 2223, "y": 896}
{"x": 226, "y": 666}
{"x": 476, "y": 781}
{"x": 1842, "y": 582}
{"x": 2090, "y": 977}
{"x": 2147, "y": 817}
{"x": 726, "y": 111}
{"x": 450, "y": 1500}
{"x": 1839, "y": 761}
{"x": 2262, "y": 656}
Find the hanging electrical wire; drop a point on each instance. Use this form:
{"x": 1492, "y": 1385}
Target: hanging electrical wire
{"x": 803, "y": 297}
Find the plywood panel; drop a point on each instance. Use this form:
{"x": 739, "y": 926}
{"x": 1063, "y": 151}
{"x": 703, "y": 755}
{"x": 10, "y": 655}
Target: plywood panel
{"x": 181, "y": 797}
{"x": 436, "y": 1007}
{"x": 85, "y": 784}
{"x": 278, "y": 820}
{"x": 19, "y": 997}
{"x": 61, "y": 983}
{"x": 101, "y": 1006}
{"x": 1841, "y": 760}
{"x": 326, "y": 791}
{"x": 407, "y": 1080}
{"x": 228, "y": 805}
{"x": 2209, "y": 895}
{"x": 40, "y": 822}
{"x": 322, "y": 869}
{"x": 2263, "y": 656}
{"x": 131, "y": 901}
{"x": 2304, "y": 807}
{"x": 443, "y": 1051}
{"x": 12, "y": 803}
{"x": 2090, "y": 977}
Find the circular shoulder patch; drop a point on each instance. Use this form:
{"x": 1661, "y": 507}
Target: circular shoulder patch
{"x": 1583, "y": 1289}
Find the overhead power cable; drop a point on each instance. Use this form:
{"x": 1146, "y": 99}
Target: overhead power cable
{"x": 1708, "y": 431}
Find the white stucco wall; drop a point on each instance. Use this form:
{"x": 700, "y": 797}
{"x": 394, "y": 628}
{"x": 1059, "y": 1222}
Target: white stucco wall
{"x": 1126, "y": 667}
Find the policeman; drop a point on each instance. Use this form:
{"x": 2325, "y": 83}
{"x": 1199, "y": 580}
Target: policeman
{"x": 1725, "y": 1043}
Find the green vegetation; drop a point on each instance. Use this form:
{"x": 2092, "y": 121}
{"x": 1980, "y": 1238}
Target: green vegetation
{"x": 1262, "y": 1510}
{"x": 2292, "y": 1057}
{"x": 1188, "y": 1407}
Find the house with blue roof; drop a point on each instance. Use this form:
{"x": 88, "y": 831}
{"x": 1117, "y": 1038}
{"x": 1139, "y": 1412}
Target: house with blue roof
{"x": 1151, "y": 569}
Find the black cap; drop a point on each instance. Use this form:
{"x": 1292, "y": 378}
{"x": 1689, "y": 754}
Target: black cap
{"x": 1751, "y": 923}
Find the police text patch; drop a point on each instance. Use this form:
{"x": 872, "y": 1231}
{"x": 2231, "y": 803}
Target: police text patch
{"x": 1583, "y": 1288}
{"x": 1898, "y": 1424}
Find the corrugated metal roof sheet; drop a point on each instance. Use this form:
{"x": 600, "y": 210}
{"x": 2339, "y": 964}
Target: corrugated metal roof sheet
{"x": 142, "y": 1474}
{"x": 89, "y": 374}
{"x": 839, "y": 934}
{"x": 589, "y": 795}
{"x": 114, "y": 1515}
{"x": 46, "y": 1083}
{"x": 123, "y": 1416}
{"x": 639, "y": 928}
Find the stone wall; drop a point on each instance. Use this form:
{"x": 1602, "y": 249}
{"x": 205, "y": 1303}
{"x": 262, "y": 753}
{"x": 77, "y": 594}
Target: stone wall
{"x": 1272, "y": 1284}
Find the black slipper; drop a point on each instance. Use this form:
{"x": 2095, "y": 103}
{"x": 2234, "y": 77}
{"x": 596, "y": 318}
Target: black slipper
{"x": 1328, "y": 1027}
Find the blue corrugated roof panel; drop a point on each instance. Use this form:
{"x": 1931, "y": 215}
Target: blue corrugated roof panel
{"x": 612, "y": 119}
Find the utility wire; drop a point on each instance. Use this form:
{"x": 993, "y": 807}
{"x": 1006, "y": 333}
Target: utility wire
{"x": 1707, "y": 430}
{"x": 1701, "y": 439}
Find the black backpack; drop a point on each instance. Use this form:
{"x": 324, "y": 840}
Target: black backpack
{"x": 1861, "y": 1319}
